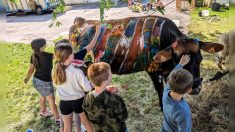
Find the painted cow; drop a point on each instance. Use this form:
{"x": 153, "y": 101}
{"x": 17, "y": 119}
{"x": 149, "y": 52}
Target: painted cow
{"x": 149, "y": 43}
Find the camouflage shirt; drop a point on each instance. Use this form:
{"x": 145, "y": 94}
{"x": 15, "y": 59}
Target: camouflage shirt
{"x": 107, "y": 112}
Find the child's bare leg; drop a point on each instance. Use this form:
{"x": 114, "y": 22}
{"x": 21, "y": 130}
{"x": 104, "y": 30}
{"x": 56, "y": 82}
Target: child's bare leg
{"x": 42, "y": 103}
{"x": 61, "y": 124}
{"x": 86, "y": 122}
{"x": 61, "y": 129}
{"x": 77, "y": 121}
{"x": 51, "y": 100}
{"x": 67, "y": 122}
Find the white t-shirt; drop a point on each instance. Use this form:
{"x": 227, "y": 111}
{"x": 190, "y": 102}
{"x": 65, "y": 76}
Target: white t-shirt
{"x": 75, "y": 86}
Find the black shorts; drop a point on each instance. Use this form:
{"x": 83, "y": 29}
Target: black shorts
{"x": 68, "y": 107}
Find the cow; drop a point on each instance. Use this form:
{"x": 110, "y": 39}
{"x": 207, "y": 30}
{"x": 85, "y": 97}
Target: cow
{"x": 149, "y": 43}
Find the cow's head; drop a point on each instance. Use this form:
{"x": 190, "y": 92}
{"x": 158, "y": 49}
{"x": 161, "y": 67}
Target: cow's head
{"x": 191, "y": 47}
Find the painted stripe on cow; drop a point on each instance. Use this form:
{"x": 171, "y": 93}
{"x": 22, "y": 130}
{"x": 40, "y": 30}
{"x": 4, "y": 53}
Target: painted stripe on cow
{"x": 132, "y": 53}
{"x": 100, "y": 46}
{"x": 127, "y": 39}
{"x": 124, "y": 42}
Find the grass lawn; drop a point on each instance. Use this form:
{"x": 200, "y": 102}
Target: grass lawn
{"x": 21, "y": 99}
{"x": 208, "y": 29}
{"x": 140, "y": 96}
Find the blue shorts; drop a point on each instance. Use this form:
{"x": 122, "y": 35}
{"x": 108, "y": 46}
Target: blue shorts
{"x": 44, "y": 88}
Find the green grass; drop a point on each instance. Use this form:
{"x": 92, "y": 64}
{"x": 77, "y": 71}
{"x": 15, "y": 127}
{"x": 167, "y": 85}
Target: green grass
{"x": 207, "y": 30}
{"x": 22, "y": 99}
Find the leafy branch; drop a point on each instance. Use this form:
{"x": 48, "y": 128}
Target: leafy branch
{"x": 105, "y": 4}
{"x": 59, "y": 9}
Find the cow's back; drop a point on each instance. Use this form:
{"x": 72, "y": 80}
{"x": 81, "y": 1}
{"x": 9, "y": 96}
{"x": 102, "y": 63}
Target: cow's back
{"x": 129, "y": 44}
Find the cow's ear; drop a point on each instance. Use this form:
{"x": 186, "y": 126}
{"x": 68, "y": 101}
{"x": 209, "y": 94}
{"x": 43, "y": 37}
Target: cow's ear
{"x": 211, "y": 47}
{"x": 163, "y": 56}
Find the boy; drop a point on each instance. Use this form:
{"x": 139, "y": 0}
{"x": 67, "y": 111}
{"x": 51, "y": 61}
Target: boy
{"x": 176, "y": 111}
{"x": 106, "y": 111}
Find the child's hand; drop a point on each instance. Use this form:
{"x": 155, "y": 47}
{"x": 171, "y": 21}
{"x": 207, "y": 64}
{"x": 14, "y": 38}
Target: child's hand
{"x": 184, "y": 60}
{"x": 26, "y": 80}
{"x": 112, "y": 89}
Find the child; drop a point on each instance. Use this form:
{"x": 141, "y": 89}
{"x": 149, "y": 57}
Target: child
{"x": 72, "y": 84}
{"x": 177, "y": 114}
{"x": 76, "y": 30}
{"x": 80, "y": 55}
{"x": 105, "y": 110}
{"x": 41, "y": 63}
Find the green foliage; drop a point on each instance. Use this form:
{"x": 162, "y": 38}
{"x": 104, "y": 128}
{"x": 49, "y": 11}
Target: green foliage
{"x": 161, "y": 10}
{"x": 59, "y": 9}
{"x": 105, "y": 4}
{"x": 13, "y": 1}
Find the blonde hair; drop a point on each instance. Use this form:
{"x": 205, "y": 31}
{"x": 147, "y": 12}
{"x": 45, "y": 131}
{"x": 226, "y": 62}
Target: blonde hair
{"x": 62, "y": 52}
{"x": 98, "y": 73}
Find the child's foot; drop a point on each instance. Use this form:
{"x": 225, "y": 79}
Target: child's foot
{"x": 45, "y": 113}
{"x": 57, "y": 120}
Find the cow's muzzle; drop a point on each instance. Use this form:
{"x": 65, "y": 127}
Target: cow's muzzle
{"x": 197, "y": 86}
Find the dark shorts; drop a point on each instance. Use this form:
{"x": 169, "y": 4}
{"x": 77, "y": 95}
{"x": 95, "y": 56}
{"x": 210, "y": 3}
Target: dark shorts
{"x": 44, "y": 88}
{"x": 68, "y": 107}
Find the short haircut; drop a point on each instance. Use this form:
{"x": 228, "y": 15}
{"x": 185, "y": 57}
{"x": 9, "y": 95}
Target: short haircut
{"x": 180, "y": 81}
{"x": 98, "y": 73}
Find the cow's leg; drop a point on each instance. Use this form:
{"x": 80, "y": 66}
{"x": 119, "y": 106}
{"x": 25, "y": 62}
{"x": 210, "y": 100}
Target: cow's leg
{"x": 158, "y": 85}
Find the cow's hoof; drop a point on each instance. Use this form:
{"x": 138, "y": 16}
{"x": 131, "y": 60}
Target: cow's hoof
{"x": 196, "y": 91}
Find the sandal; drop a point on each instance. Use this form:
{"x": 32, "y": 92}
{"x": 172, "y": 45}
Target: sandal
{"x": 57, "y": 120}
{"x": 46, "y": 114}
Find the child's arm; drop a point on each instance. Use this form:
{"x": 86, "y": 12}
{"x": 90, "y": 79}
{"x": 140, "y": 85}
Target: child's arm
{"x": 94, "y": 40}
{"x": 83, "y": 81}
{"x": 183, "y": 61}
{"x": 29, "y": 74}
{"x": 120, "y": 109}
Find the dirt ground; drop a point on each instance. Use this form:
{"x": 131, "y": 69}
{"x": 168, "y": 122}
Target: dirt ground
{"x": 25, "y": 28}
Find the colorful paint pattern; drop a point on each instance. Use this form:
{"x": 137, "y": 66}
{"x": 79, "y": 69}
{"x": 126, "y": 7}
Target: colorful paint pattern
{"x": 128, "y": 45}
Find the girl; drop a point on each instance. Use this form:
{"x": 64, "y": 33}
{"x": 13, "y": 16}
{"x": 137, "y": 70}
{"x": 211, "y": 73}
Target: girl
{"x": 80, "y": 55}
{"x": 41, "y": 66}
{"x": 76, "y": 30}
{"x": 72, "y": 84}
